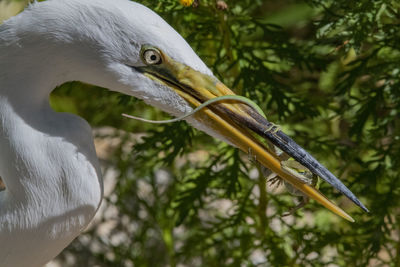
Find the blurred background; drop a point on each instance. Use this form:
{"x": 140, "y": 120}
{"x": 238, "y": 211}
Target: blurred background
{"x": 327, "y": 71}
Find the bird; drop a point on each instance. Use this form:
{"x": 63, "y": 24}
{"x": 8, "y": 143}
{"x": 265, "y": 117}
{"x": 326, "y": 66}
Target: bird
{"x": 48, "y": 163}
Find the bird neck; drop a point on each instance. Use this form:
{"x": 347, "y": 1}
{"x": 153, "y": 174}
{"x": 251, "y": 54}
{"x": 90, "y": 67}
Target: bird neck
{"x": 36, "y": 141}
{"x": 27, "y": 76}
{"x": 47, "y": 160}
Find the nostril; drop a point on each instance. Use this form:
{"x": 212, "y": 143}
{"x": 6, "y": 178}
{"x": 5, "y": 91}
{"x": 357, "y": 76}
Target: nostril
{"x": 2, "y": 185}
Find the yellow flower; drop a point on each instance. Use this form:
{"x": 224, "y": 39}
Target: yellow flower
{"x": 186, "y": 2}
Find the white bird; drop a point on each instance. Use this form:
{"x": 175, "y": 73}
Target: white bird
{"x": 47, "y": 159}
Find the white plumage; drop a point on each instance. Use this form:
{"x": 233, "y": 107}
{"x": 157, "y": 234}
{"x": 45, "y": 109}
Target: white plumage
{"x": 47, "y": 159}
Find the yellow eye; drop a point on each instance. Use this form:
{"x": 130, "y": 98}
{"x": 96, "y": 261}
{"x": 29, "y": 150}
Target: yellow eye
{"x": 151, "y": 56}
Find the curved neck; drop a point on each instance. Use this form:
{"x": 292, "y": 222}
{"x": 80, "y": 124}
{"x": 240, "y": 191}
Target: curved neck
{"x": 47, "y": 159}
{"x": 29, "y": 127}
{"x": 27, "y": 76}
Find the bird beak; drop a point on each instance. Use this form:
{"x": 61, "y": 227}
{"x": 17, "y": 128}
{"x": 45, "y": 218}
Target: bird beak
{"x": 238, "y": 123}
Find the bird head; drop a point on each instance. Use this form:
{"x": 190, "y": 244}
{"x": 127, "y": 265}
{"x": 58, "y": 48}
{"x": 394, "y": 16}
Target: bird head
{"x": 126, "y": 47}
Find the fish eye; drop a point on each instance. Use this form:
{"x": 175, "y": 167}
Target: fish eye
{"x": 151, "y": 56}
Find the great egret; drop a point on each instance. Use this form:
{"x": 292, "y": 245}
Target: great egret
{"x": 47, "y": 159}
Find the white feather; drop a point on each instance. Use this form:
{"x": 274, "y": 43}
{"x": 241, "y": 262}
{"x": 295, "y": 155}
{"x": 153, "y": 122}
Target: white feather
{"x": 47, "y": 159}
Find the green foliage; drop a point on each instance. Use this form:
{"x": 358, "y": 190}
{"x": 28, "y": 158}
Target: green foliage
{"x": 328, "y": 73}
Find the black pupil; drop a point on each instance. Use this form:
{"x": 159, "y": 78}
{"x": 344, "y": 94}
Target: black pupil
{"x": 153, "y": 57}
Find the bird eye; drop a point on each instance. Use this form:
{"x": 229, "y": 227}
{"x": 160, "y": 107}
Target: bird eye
{"x": 151, "y": 56}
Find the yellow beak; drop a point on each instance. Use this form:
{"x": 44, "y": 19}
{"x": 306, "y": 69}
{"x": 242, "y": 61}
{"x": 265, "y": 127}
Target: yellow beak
{"x": 235, "y": 120}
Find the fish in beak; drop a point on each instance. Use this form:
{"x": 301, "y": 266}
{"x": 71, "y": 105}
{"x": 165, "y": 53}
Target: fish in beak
{"x": 238, "y": 123}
